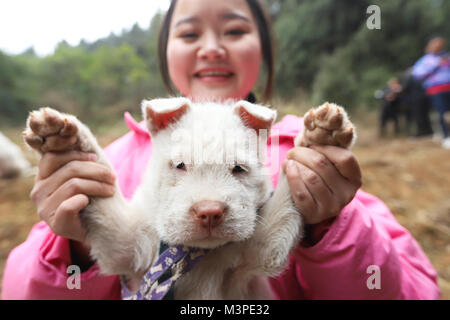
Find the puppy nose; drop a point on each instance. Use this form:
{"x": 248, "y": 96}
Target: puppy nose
{"x": 208, "y": 214}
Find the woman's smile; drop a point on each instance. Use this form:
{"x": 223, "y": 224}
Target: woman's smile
{"x": 214, "y": 49}
{"x": 214, "y": 75}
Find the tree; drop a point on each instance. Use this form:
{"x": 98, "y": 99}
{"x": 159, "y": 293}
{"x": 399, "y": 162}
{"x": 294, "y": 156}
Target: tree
{"x": 307, "y": 30}
{"x": 351, "y": 74}
{"x": 13, "y": 102}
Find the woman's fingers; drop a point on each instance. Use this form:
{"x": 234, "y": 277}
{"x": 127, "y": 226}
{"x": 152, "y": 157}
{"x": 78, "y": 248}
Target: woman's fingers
{"x": 66, "y": 220}
{"x": 300, "y": 193}
{"x": 75, "y": 169}
{"x": 69, "y": 189}
{"x": 322, "y": 179}
{"x": 319, "y": 191}
{"x": 344, "y": 160}
{"x": 52, "y": 161}
{"x": 63, "y": 186}
{"x": 318, "y": 163}
{"x": 311, "y": 195}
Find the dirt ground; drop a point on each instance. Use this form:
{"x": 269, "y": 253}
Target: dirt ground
{"x": 411, "y": 176}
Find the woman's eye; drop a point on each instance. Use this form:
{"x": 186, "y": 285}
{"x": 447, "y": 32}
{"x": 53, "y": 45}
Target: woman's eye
{"x": 235, "y": 32}
{"x": 238, "y": 169}
{"x": 181, "y": 166}
{"x": 188, "y": 35}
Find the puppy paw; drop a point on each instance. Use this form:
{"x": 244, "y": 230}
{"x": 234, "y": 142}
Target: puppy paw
{"x": 48, "y": 130}
{"x": 328, "y": 124}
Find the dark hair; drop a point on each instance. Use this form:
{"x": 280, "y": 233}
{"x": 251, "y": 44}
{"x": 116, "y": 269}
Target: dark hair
{"x": 265, "y": 37}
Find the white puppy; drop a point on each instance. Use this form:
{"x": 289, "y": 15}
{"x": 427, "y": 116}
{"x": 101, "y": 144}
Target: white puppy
{"x": 206, "y": 186}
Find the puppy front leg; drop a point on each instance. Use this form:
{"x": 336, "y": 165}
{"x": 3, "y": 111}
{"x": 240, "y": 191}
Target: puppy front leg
{"x": 278, "y": 231}
{"x": 328, "y": 124}
{"x": 118, "y": 236}
{"x": 121, "y": 241}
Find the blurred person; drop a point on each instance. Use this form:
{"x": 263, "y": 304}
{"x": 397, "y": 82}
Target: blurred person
{"x": 215, "y": 50}
{"x": 390, "y": 109}
{"x": 416, "y": 101}
{"x": 433, "y": 70}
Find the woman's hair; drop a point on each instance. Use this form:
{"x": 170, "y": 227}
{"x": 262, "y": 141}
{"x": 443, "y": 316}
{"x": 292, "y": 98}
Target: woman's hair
{"x": 265, "y": 36}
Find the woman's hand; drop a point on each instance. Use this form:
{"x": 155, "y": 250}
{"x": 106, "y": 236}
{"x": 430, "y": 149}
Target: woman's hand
{"x": 62, "y": 188}
{"x": 322, "y": 179}
{"x": 66, "y": 176}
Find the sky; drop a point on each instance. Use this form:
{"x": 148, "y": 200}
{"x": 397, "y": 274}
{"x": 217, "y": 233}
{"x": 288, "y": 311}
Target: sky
{"x": 44, "y": 23}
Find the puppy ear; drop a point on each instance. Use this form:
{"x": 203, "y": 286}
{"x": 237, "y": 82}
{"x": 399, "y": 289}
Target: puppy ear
{"x": 255, "y": 116}
{"x": 160, "y": 113}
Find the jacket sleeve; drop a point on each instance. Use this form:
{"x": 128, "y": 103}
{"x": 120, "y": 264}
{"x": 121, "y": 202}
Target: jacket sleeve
{"x": 425, "y": 67}
{"x": 38, "y": 268}
{"x": 365, "y": 254}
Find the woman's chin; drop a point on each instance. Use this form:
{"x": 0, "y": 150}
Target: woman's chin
{"x": 217, "y": 94}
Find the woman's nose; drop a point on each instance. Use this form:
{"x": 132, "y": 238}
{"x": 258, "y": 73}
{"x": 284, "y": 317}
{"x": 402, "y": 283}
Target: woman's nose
{"x": 212, "y": 49}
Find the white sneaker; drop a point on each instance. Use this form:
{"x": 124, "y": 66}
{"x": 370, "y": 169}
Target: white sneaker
{"x": 446, "y": 143}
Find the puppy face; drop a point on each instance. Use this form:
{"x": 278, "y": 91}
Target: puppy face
{"x": 208, "y": 174}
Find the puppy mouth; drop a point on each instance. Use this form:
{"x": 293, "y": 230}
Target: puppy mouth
{"x": 209, "y": 238}
{"x": 210, "y": 234}
{"x": 207, "y": 242}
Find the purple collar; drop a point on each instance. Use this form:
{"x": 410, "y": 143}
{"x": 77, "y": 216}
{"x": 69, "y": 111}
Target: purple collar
{"x": 179, "y": 256}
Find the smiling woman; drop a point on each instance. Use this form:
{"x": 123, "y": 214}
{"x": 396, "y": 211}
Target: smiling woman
{"x": 208, "y": 43}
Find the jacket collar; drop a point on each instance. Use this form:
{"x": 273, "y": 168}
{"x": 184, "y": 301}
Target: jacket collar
{"x": 139, "y": 128}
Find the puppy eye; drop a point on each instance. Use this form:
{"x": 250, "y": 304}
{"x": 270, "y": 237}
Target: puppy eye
{"x": 181, "y": 166}
{"x": 238, "y": 169}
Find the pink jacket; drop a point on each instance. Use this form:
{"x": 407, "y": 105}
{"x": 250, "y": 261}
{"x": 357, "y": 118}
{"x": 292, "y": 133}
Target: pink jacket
{"x": 339, "y": 266}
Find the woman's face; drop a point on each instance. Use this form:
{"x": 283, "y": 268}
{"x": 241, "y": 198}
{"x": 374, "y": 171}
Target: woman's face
{"x": 213, "y": 49}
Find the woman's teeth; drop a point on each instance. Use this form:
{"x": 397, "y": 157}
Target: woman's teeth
{"x": 214, "y": 74}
